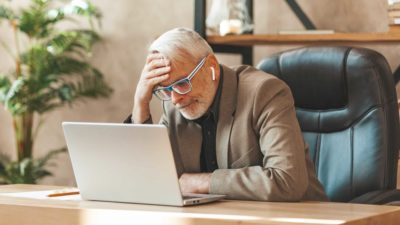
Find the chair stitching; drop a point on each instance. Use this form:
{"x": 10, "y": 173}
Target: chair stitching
{"x": 317, "y": 153}
{"x": 318, "y": 147}
{"x": 352, "y": 161}
{"x": 345, "y": 73}
{"x": 278, "y": 64}
{"x": 356, "y": 120}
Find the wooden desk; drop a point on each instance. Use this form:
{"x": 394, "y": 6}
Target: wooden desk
{"x": 20, "y": 211}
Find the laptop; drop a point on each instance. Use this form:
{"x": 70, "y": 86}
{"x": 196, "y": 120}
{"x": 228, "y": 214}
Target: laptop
{"x": 130, "y": 163}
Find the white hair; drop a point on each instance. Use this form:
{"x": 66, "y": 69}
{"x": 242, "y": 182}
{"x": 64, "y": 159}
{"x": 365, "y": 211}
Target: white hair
{"x": 181, "y": 45}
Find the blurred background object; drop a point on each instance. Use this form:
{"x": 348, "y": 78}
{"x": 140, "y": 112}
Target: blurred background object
{"x": 228, "y": 17}
{"x": 394, "y": 15}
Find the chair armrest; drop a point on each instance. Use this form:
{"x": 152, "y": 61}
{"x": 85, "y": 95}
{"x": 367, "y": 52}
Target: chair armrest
{"x": 379, "y": 197}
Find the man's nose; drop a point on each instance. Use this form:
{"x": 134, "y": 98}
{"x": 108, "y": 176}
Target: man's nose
{"x": 176, "y": 98}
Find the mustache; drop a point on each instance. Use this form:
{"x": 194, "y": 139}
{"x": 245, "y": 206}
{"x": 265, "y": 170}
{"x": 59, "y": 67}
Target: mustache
{"x": 184, "y": 105}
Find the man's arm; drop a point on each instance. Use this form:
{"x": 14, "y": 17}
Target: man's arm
{"x": 155, "y": 71}
{"x": 283, "y": 175}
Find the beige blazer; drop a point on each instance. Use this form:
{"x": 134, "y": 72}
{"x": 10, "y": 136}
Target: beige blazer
{"x": 260, "y": 150}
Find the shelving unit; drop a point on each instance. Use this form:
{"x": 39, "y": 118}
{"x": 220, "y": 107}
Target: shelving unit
{"x": 243, "y": 44}
{"x": 277, "y": 39}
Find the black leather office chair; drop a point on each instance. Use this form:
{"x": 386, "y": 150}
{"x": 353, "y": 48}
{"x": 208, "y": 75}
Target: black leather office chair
{"x": 347, "y": 108}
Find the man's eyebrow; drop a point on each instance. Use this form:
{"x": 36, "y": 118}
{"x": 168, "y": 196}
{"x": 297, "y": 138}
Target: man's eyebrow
{"x": 172, "y": 82}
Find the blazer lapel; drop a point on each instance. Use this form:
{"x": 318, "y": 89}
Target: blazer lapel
{"x": 226, "y": 115}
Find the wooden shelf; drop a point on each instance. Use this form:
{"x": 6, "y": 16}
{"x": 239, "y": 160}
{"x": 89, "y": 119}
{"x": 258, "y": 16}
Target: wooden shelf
{"x": 275, "y": 39}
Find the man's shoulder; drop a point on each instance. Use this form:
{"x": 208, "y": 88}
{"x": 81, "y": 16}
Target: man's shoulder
{"x": 249, "y": 74}
{"x": 253, "y": 80}
{"x": 256, "y": 89}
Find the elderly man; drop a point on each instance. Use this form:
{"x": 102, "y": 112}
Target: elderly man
{"x": 233, "y": 130}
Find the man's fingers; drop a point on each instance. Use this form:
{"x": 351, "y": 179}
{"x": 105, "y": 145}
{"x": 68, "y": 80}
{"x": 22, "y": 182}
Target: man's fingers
{"x": 156, "y": 80}
{"x": 154, "y": 56}
{"x": 159, "y": 71}
{"x": 157, "y": 63}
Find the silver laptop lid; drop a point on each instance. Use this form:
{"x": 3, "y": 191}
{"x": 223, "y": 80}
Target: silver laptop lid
{"x": 123, "y": 162}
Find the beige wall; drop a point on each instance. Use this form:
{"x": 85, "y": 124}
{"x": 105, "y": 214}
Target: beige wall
{"x": 128, "y": 28}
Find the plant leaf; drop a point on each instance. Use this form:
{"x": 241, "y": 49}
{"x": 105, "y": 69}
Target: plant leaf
{"x": 88, "y": 86}
{"x": 33, "y": 22}
{"x": 74, "y": 40}
{"x": 82, "y": 8}
{"x": 14, "y": 101}
{"x": 41, "y": 162}
{"x": 5, "y": 85}
{"x": 6, "y": 13}
{"x": 28, "y": 170}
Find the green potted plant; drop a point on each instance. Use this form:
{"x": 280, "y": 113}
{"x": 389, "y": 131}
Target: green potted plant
{"x": 51, "y": 70}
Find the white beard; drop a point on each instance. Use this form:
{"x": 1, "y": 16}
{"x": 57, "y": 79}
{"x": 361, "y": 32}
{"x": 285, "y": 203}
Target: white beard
{"x": 193, "y": 111}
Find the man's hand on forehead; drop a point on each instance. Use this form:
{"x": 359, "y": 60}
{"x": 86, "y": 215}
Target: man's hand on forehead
{"x": 157, "y": 56}
{"x": 156, "y": 65}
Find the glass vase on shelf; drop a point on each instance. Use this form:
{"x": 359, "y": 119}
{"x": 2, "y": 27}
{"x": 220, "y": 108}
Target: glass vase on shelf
{"x": 394, "y": 16}
{"x": 228, "y": 17}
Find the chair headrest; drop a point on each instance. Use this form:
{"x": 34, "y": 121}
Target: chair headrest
{"x": 336, "y": 82}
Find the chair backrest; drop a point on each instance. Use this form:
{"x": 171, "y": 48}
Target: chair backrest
{"x": 346, "y": 105}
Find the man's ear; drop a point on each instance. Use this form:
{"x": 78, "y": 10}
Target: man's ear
{"x": 214, "y": 61}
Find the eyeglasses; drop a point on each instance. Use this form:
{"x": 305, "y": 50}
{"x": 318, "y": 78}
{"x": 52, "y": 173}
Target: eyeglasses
{"x": 181, "y": 87}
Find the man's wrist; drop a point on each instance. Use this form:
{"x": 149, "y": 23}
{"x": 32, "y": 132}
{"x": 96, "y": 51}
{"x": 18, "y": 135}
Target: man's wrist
{"x": 206, "y": 182}
{"x": 195, "y": 183}
{"x": 140, "y": 114}
{"x": 146, "y": 121}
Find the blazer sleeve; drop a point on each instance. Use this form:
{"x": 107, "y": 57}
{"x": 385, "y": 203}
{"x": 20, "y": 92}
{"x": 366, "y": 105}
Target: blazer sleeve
{"x": 129, "y": 120}
{"x": 163, "y": 119}
{"x": 283, "y": 174}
